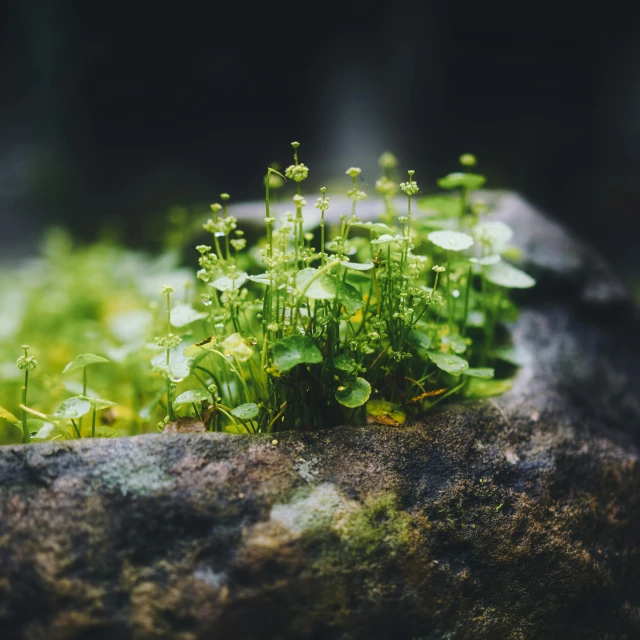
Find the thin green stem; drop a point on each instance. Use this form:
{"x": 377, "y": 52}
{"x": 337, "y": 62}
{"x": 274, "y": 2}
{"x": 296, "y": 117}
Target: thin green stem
{"x": 84, "y": 388}
{"x": 76, "y": 428}
{"x": 466, "y": 301}
{"x": 26, "y": 436}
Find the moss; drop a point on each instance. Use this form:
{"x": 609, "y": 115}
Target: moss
{"x": 380, "y": 525}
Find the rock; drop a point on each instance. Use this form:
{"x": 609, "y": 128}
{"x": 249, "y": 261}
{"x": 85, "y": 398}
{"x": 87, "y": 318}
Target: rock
{"x": 516, "y": 517}
{"x": 185, "y": 425}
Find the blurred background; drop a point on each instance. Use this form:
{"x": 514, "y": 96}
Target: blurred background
{"x": 112, "y": 113}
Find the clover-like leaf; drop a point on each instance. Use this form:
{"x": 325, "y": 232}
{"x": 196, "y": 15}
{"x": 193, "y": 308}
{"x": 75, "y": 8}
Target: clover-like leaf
{"x": 192, "y": 396}
{"x": 294, "y": 350}
{"x": 350, "y": 298}
{"x": 505, "y": 275}
{"x": 386, "y": 239}
{"x": 465, "y": 180}
{"x": 175, "y": 371}
{"x": 225, "y": 283}
{"x": 451, "y": 240}
{"x": 375, "y": 227}
{"x": 345, "y": 363}
{"x": 494, "y": 233}
{"x": 314, "y": 286}
{"x": 348, "y": 249}
{"x": 235, "y": 345}
{"x": 200, "y": 348}
{"x": 82, "y": 361}
{"x": 354, "y": 395}
{"x": 479, "y": 388}
{"x": 72, "y": 409}
{"x": 455, "y": 342}
{"x": 184, "y": 314}
{"x": 421, "y": 341}
{"x": 98, "y": 403}
{"x": 358, "y": 266}
{"x": 43, "y": 430}
{"x": 247, "y": 411}
{"x": 261, "y": 278}
{"x": 486, "y": 373}
{"x": 448, "y": 362}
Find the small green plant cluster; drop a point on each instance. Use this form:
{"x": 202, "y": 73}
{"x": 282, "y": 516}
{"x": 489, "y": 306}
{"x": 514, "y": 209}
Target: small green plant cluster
{"x": 341, "y": 322}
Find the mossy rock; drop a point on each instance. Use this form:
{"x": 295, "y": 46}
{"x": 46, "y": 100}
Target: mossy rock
{"x": 515, "y": 517}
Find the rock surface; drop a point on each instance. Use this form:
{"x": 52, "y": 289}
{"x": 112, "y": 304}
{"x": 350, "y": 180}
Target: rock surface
{"x": 511, "y": 518}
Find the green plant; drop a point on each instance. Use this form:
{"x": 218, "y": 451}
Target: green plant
{"x": 303, "y": 330}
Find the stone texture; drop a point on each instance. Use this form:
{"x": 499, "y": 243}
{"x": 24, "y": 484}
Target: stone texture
{"x": 511, "y": 518}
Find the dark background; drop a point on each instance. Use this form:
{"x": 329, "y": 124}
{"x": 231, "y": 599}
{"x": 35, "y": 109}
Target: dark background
{"x": 112, "y": 112}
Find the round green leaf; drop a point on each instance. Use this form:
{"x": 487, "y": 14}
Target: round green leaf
{"x": 45, "y": 430}
{"x": 199, "y": 348}
{"x": 347, "y": 250}
{"x": 261, "y": 278}
{"x": 448, "y": 362}
{"x": 494, "y": 233}
{"x": 459, "y": 179}
{"x": 98, "y": 403}
{"x": 478, "y": 388}
{"x": 184, "y": 314}
{"x": 358, "y": 266}
{"x": 486, "y": 373}
{"x": 82, "y": 361}
{"x": 229, "y": 284}
{"x": 420, "y": 340}
{"x": 355, "y": 395}
{"x": 323, "y": 287}
{"x": 176, "y": 371}
{"x": 350, "y": 298}
{"x": 192, "y": 396}
{"x": 505, "y": 275}
{"x": 376, "y": 227}
{"x": 387, "y": 239}
{"x": 72, "y": 409}
{"x": 456, "y": 342}
{"x": 345, "y": 363}
{"x": 294, "y": 350}
{"x": 236, "y": 346}
{"x": 246, "y": 411}
{"x": 451, "y": 240}
{"x": 179, "y": 366}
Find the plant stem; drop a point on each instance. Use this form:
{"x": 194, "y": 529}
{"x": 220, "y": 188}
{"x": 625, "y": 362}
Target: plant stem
{"x": 93, "y": 423}
{"x": 84, "y": 389}
{"x": 170, "y": 411}
{"x": 466, "y": 302}
{"x": 26, "y": 436}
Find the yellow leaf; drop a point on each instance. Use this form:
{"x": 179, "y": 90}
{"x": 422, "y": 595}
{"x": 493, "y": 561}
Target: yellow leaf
{"x": 7, "y": 415}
